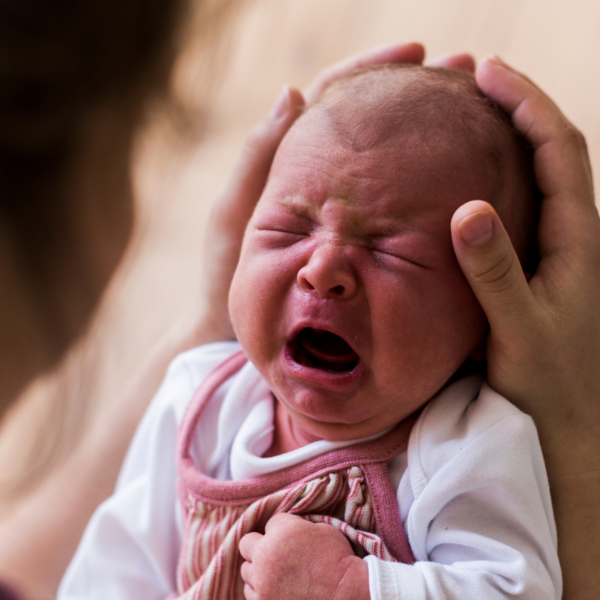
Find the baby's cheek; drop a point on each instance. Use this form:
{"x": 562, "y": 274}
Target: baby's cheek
{"x": 462, "y": 318}
{"x": 256, "y": 302}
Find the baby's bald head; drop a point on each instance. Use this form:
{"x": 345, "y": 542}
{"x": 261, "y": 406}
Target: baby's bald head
{"x": 443, "y": 118}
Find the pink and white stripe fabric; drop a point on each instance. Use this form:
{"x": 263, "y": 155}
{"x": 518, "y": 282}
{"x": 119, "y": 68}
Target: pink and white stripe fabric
{"x": 348, "y": 488}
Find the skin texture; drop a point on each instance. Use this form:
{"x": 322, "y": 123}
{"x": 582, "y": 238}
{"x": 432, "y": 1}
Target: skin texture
{"x": 357, "y": 244}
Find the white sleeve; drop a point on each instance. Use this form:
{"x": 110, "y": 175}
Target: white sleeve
{"x": 130, "y": 547}
{"x": 481, "y": 525}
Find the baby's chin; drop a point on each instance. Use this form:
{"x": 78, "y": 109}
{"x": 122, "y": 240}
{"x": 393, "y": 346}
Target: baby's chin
{"x": 317, "y": 416}
{"x": 307, "y": 430}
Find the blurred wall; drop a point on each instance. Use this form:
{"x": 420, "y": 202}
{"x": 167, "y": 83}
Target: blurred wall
{"x": 557, "y": 43}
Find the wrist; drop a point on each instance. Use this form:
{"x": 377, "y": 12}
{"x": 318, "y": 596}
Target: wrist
{"x": 354, "y": 585}
{"x": 574, "y": 474}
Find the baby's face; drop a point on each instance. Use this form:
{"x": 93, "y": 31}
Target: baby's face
{"x": 348, "y": 297}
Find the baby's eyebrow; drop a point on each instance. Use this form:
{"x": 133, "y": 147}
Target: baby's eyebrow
{"x": 299, "y": 208}
{"x": 388, "y": 228}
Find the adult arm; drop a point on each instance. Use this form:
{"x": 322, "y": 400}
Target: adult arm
{"x": 544, "y": 342}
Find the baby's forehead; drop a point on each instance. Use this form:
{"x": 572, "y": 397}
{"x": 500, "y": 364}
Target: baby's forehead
{"x": 382, "y": 128}
{"x": 439, "y": 113}
{"x": 377, "y": 142}
{"x": 392, "y": 184}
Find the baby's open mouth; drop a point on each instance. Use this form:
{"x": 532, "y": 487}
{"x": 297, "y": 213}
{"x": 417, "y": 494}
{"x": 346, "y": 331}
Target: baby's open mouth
{"x": 324, "y": 350}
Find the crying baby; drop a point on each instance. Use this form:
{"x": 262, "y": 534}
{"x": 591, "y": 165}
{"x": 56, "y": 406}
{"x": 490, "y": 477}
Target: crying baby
{"x": 347, "y": 446}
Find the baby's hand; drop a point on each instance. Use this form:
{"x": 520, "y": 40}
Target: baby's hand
{"x": 298, "y": 559}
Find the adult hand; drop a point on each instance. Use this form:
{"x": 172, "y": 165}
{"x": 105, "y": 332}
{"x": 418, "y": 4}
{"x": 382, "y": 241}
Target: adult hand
{"x": 234, "y": 207}
{"x": 543, "y": 348}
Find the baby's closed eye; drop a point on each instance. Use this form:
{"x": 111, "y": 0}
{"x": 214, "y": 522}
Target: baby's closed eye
{"x": 278, "y": 238}
{"x": 398, "y": 252}
{"x": 280, "y": 228}
{"x": 280, "y": 233}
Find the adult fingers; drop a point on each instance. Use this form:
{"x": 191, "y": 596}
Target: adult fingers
{"x": 233, "y": 209}
{"x": 491, "y": 266}
{"x": 568, "y": 215}
{"x": 250, "y": 172}
{"x": 462, "y": 62}
{"x": 248, "y": 545}
{"x": 561, "y": 160}
{"x": 412, "y": 53}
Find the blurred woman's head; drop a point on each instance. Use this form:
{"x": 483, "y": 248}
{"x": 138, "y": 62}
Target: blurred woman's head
{"x": 75, "y": 76}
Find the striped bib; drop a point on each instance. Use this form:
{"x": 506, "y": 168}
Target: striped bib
{"x": 348, "y": 488}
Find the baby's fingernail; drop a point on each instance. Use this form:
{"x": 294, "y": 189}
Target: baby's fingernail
{"x": 477, "y": 229}
{"x": 282, "y": 105}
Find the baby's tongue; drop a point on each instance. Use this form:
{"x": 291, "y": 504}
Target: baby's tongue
{"x": 326, "y": 346}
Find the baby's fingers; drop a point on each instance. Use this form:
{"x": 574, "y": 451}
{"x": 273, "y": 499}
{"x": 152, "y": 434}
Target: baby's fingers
{"x": 250, "y": 593}
{"x": 248, "y": 545}
{"x": 247, "y": 572}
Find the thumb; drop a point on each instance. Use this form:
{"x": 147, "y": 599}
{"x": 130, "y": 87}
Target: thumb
{"x": 490, "y": 264}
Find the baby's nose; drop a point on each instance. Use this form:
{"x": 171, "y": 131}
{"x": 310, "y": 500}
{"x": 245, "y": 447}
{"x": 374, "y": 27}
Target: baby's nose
{"x": 329, "y": 274}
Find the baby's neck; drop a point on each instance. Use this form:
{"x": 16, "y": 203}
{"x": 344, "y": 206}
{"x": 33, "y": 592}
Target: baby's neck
{"x": 287, "y": 435}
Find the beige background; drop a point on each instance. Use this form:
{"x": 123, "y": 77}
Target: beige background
{"x": 556, "y": 42}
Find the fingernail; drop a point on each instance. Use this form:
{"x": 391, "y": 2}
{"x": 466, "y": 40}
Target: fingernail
{"x": 282, "y": 105}
{"x": 498, "y": 61}
{"x": 477, "y": 229}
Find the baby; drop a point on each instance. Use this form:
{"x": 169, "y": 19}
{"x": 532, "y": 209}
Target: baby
{"x": 352, "y": 413}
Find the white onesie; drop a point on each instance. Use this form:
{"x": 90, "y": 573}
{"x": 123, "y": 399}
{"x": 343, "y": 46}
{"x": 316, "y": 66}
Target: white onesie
{"x": 472, "y": 491}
